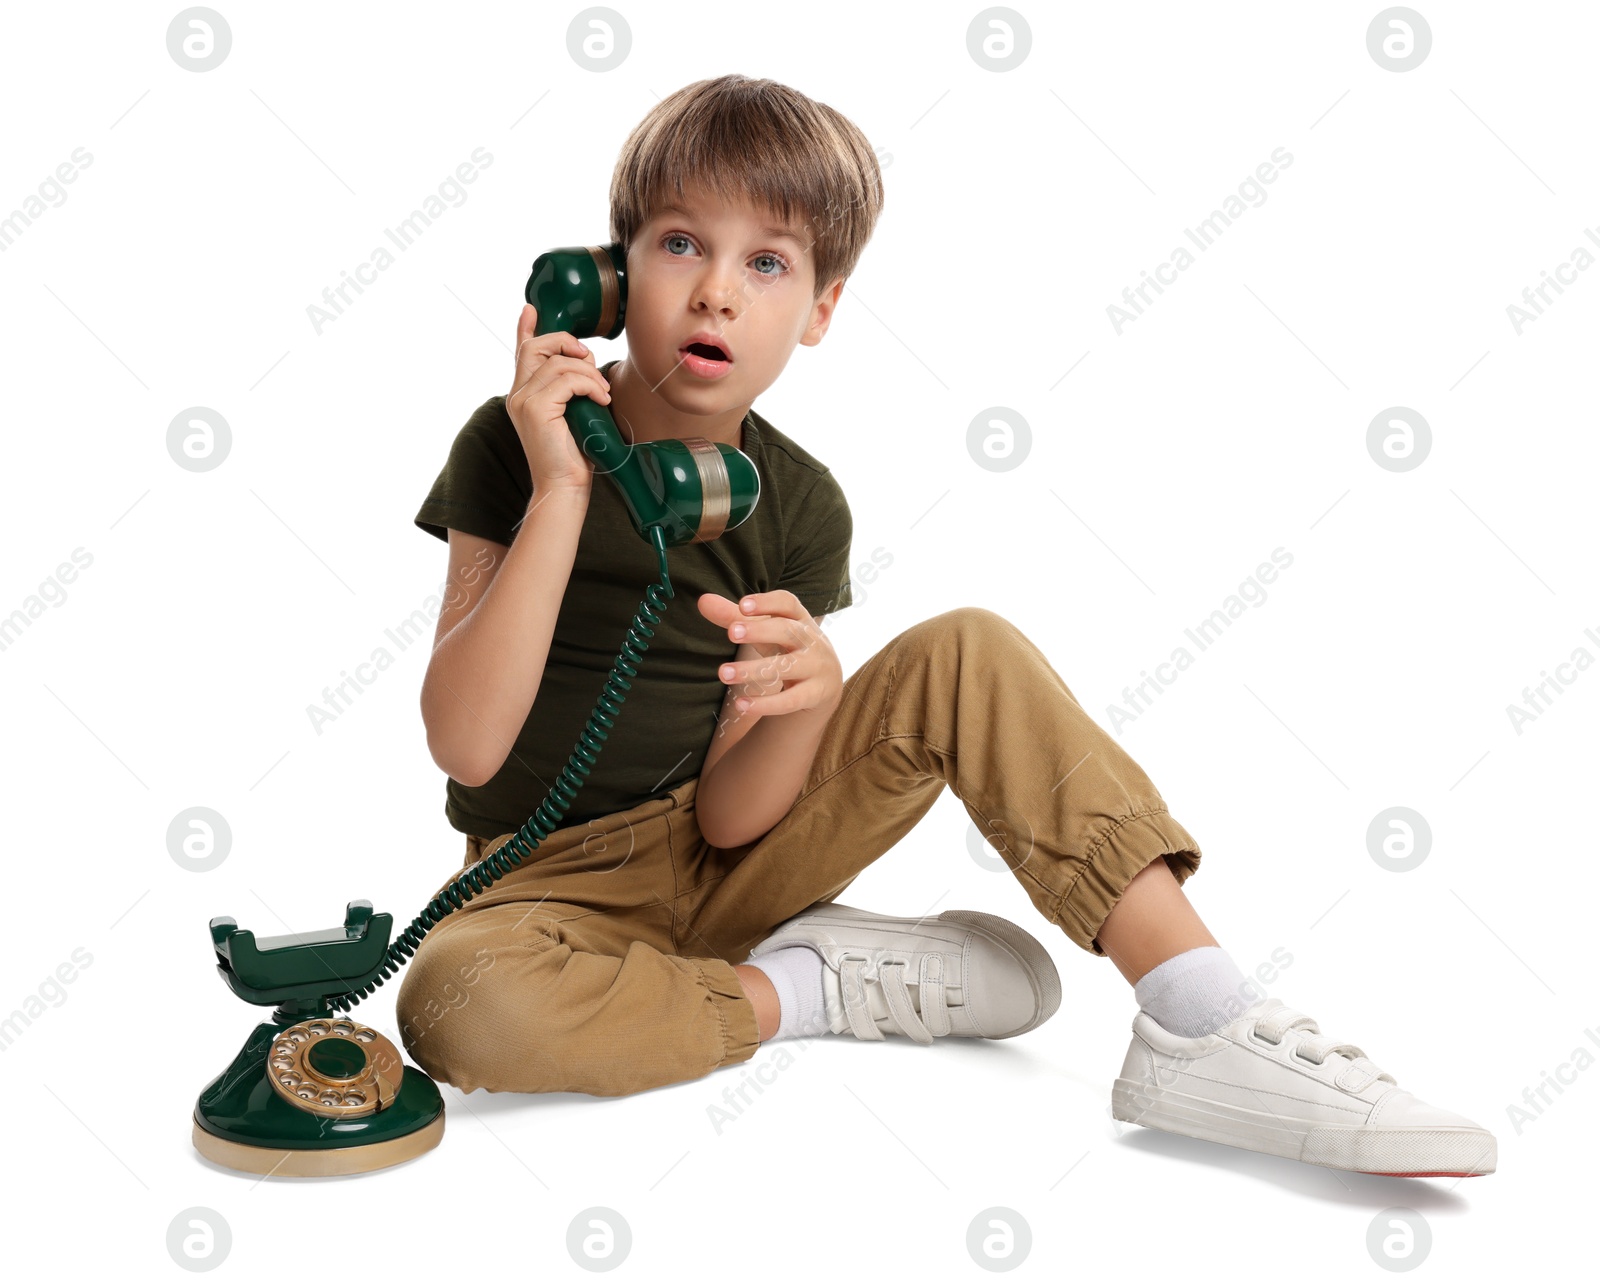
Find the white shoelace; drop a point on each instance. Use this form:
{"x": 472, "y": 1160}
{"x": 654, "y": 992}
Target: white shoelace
{"x": 1315, "y": 1047}
{"x": 891, "y": 980}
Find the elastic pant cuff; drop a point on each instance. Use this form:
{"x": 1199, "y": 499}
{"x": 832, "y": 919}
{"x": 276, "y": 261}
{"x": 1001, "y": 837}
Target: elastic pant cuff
{"x": 1122, "y": 853}
{"x": 736, "y": 1015}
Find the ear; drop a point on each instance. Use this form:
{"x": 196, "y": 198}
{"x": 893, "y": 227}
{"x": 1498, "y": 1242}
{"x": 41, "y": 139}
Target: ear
{"x": 822, "y": 313}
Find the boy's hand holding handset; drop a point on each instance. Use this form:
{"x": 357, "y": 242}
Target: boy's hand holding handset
{"x": 551, "y": 368}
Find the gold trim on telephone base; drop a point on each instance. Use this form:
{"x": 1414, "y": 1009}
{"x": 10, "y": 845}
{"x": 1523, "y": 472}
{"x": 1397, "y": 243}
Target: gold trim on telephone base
{"x": 317, "y": 1163}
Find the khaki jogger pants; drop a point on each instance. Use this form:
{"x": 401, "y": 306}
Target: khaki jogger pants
{"x": 604, "y": 963}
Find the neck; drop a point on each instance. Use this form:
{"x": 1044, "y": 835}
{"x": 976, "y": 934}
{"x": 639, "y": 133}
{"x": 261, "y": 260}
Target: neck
{"x": 643, "y": 414}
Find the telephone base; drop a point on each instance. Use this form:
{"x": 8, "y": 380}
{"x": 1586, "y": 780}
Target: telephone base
{"x": 243, "y": 1121}
{"x": 317, "y": 1164}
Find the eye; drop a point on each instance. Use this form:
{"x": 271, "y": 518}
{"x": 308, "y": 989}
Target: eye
{"x": 668, "y": 239}
{"x": 783, "y": 265}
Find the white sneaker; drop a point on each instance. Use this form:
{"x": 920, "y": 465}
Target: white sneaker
{"x": 960, "y": 973}
{"x": 1269, "y": 1082}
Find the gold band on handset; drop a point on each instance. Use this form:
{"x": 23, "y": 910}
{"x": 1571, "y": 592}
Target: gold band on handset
{"x": 610, "y": 294}
{"x": 716, "y": 493}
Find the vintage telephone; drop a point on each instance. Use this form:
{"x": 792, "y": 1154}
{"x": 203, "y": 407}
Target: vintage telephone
{"x": 314, "y": 1092}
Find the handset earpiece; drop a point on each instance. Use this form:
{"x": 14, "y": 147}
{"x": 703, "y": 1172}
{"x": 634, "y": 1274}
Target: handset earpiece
{"x": 692, "y": 490}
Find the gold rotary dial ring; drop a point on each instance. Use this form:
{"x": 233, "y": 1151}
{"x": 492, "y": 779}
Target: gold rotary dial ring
{"x": 334, "y": 1066}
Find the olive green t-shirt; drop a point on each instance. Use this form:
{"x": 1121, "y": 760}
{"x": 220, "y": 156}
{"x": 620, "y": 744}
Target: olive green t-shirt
{"x": 797, "y": 539}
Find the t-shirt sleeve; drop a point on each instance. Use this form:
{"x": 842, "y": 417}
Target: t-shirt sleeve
{"x": 485, "y": 484}
{"x": 816, "y": 560}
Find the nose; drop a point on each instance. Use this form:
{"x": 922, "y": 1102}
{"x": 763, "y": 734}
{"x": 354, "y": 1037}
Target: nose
{"x": 717, "y": 289}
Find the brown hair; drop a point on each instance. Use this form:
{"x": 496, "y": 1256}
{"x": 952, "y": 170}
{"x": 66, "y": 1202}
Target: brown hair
{"x": 758, "y": 140}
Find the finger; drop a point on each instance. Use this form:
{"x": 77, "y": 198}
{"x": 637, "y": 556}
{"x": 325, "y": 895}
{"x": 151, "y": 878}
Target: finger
{"x": 783, "y": 604}
{"x": 716, "y": 608}
{"x": 537, "y": 350}
{"x": 525, "y": 358}
{"x": 776, "y": 704}
{"x": 771, "y": 670}
{"x": 533, "y": 349}
{"x": 578, "y": 378}
{"x": 765, "y": 629}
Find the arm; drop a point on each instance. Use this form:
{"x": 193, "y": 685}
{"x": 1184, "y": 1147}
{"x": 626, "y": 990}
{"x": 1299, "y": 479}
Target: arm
{"x": 786, "y": 671}
{"x": 757, "y": 764}
{"x": 494, "y": 635}
{"x": 760, "y": 777}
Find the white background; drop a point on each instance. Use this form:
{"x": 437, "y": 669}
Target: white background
{"x": 1229, "y": 419}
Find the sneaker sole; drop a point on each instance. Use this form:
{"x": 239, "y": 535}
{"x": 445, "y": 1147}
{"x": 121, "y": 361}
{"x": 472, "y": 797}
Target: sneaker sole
{"x": 1027, "y": 950}
{"x": 1395, "y": 1153}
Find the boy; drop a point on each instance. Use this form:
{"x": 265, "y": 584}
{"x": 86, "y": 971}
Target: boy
{"x": 684, "y": 913}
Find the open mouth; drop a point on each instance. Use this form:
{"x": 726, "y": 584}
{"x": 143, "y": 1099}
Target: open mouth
{"x": 706, "y": 351}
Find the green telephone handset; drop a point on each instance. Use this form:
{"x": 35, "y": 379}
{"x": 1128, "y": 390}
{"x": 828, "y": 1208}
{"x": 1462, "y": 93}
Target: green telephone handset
{"x": 313, "y": 1092}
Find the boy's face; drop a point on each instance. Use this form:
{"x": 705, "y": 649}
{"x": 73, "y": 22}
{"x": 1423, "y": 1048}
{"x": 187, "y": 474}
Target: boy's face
{"x": 702, "y": 266}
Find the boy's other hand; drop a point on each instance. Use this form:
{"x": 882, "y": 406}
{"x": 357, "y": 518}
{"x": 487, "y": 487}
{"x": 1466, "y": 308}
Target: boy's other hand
{"x": 798, "y": 669}
{"x": 552, "y": 368}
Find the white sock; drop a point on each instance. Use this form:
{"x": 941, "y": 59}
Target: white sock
{"x": 1195, "y": 992}
{"x": 796, "y": 974}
